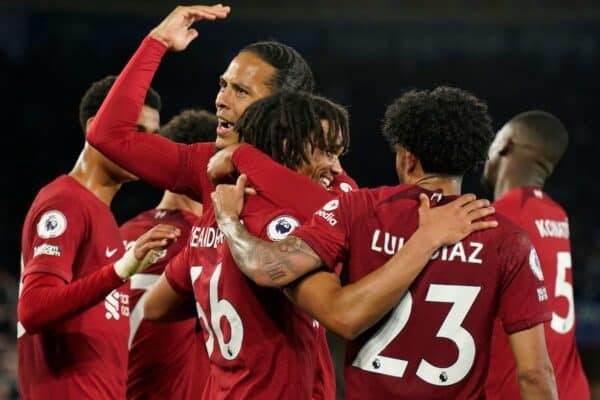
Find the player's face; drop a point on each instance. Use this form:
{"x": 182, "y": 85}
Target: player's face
{"x": 492, "y": 166}
{"x": 323, "y": 165}
{"x": 245, "y": 81}
{"x": 148, "y": 122}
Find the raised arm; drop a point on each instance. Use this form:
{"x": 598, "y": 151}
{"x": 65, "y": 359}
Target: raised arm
{"x": 113, "y": 131}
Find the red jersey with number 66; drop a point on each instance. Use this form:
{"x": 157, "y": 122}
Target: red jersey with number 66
{"x": 548, "y": 225}
{"x": 434, "y": 344}
{"x": 165, "y": 359}
{"x": 260, "y": 345}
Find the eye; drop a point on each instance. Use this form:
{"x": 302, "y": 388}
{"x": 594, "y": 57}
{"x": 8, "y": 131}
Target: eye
{"x": 241, "y": 91}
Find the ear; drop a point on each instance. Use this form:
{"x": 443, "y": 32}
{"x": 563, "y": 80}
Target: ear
{"x": 88, "y": 122}
{"x": 412, "y": 162}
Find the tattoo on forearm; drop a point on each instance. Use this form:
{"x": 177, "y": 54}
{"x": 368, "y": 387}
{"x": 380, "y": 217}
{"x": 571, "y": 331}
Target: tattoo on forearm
{"x": 283, "y": 261}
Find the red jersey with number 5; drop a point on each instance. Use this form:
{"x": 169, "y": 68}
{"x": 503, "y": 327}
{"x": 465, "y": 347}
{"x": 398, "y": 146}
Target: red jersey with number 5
{"x": 548, "y": 225}
{"x": 434, "y": 344}
{"x": 165, "y": 359}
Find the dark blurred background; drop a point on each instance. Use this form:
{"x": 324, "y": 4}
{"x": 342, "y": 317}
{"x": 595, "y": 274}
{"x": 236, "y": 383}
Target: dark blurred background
{"x": 517, "y": 55}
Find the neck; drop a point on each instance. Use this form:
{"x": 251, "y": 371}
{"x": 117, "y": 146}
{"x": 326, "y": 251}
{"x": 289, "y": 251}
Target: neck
{"x": 172, "y": 201}
{"x": 93, "y": 176}
{"x": 450, "y": 185}
{"x": 513, "y": 175}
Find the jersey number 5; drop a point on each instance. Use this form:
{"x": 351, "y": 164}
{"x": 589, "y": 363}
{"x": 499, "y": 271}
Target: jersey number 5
{"x": 219, "y": 308}
{"x": 369, "y": 358}
{"x": 562, "y": 288}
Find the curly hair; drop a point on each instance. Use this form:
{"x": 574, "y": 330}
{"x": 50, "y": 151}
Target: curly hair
{"x": 293, "y": 72}
{"x": 191, "y": 126}
{"x": 287, "y": 126}
{"x": 448, "y": 129}
{"x": 94, "y": 97}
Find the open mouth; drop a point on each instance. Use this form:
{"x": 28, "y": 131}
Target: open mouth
{"x": 224, "y": 127}
{"x": 325, "y": 181}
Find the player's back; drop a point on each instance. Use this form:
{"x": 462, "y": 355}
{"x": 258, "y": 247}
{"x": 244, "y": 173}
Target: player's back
{"x": 165, "y": 359}
{"x": 70, "y": 233}
{"x": 260, "y": 345}
{"x": 548, "y": 226}
{"x": 434, "y": 344}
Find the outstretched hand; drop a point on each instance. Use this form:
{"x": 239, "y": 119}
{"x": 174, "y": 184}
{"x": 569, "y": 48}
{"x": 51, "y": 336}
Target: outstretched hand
{"x": 456, "y": 220}
{"x": 175, "y": 30}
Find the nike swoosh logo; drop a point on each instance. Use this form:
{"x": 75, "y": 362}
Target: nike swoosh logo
{"x": 110, "y": 253}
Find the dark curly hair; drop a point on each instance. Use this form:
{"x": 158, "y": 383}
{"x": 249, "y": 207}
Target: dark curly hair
{"x": 191, "y": 126}
{"x": 293, "y": 72}
{"x": 95, "y": 95}
{"x": 287, "y": 126}
{"x": 448, "y": 129}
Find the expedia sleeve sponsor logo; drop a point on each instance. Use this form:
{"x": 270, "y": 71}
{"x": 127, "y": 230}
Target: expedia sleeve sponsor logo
{"x": 326, "y": 212}
{"x": 46, "y": 249}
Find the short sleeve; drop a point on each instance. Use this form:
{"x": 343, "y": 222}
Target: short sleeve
{"x": 177, "y": 273}
{"x": 523, "y": 297}
{"x": 53, "y": 237}
{"x": 327, "y": 233}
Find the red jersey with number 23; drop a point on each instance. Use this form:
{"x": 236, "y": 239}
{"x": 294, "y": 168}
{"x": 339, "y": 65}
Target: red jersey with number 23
{"x": 434, "y": 344}
{"x": 166, "y": 360}
{"x": 548, "y": 225}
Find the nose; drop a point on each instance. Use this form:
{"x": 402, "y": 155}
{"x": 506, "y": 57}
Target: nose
{"x": 336, "y": 166}
{"x": 222, "y": 100}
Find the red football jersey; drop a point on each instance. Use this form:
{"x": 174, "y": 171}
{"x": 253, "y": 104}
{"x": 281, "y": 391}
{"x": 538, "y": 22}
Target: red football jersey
{"x": 165, "y": 359}
{"x": 548, "y": 226}
{"x": 260, "y": 345}
{"x": 70, "y": 233}
{"x": 445, "y": 354}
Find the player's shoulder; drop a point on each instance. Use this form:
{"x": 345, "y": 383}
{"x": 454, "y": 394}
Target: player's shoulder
{"x": 270, "y": 221}
{"x": 383, "y": 193}
{"x": 507, "y": 235}
{"x": 61, "y": 203}
{"x": 65, "y": 194}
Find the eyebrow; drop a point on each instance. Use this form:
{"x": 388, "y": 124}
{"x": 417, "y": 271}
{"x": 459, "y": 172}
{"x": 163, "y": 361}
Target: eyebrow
{"x": 236, "y": 86}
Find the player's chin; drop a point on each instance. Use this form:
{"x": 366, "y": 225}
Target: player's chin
{"x": 225, "y": 140}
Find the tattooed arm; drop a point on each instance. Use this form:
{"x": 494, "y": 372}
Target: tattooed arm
{"x": 268, "y": 264}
